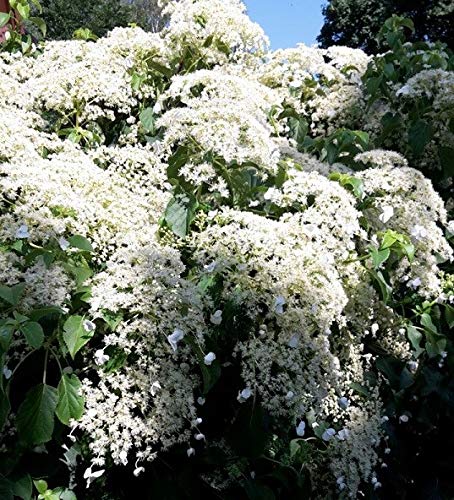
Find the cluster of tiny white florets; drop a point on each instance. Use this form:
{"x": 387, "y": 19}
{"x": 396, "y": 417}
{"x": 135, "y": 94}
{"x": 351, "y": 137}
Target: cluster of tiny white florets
{"x": 322, "y": 85}
{"x": 406, "y": 202}
{"x": 152, "y": 395}
{"x": 430, "y": 85}
{"x": 222, "y": 114}
{"x": 297, "y": 277}
{"x": 235, "y": 37}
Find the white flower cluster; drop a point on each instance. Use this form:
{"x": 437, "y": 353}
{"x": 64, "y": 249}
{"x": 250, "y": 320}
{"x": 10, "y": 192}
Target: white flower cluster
{"x": 233, "y": 35}
{"x": 222, "y": 114}
{"x": 406, "y": 202}
{"x": 322, "y": 85}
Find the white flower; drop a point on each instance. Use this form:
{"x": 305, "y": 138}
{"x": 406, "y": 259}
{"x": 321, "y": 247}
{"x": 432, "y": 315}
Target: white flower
{"x": 294, "y": 341}
{"x": 88, "y": 325}
{"x": 403, "y": 419}
{"x": 279, "y": 303}
{"x": 244, "y": 395}
{"x": 295, "y": 84}
{"x": 7, "y": 372}
{"x": 190, "y": 452}
{"x": 124, "y": 457}
{"x": 415, "y": 283}
{"x": 216, "y": 318}
{"x": 209, "y": 358}
{"x": 405, "y": 90}
{"x": 157, "y": 108}
{"x": 290, "y": 395}
{"x": 343, "y": 402}
{"x": 91, "y": 413}
{"x": 272, "y": 194}
{"x": 22, "y": 232}
{"x": 374, "y": 328}
{"x": 199, "y": 436}
{"x": 100, "y": 357}
{"x": 343, "y": 434}
{"x": 197, "y": 421}
{"x": 89, "y": 475}
{"x": 419, "y": 232}
{"x": 301, "y": 429}
{"x": 328, "y": 434}
{"x": 155, "y": 387}
{"x": 64, "y": 244}
{"x": 138, "y": 471}
{"x": 387, "y": 213}
{"x": 201, "y": 401}
{"x": 175, "y": 337}
{"x": 209, "y": 268}
{"x": 412, "y": 366}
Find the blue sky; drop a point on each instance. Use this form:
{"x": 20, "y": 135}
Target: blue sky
{"x": 287, "y": 22}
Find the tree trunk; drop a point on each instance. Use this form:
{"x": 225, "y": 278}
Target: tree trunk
{"x": 4, "y": 7}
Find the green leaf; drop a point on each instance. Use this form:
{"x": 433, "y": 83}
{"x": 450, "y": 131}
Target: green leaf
{"x": 24, "y": 10}
{"x": 35, "y": 417}
{"x": 389, "y": 238}
{"x": 446, "y": 156}
{"x": 33, "y": 333}
{"x": 81, "y": 243}
{"x": 22, "y": 487}
{"x": 12, "y": 294}
{"x": 211, "y": 375}
{"x": 75, "y": 335}
{"x": 4, "y": 18}
{"x": 43, "y": 312}
{"x": 298, "y": 130}
{"x": 360, "y": 389}
{"x": 180, "y": 213}
{"x": 349, "y": 182}
{"x": 222, "y": 47}
{"x": 415, "y": 337}
{"x": 38, "y": 6}
{"x": 390, "y": 123}
{"x": 40, "y": 24}
{"x": 385, "y": 289}
{"x": 160, "y": 68}
{"x": 419, "y": 135}
{"x": 41, "y": 486}
{"x": 6, "y": 334}
{"x": 5, "y": 407}
{"x": 70, "y": 404}
{"x": 449, "y": 315}
{"x": 426, "y": 322}
{"x": 294, "y": 447}
{"x": 67, "y": 495}
{"x": 379, "y": 256}
{"x": 147, "y": 119}
{"x": 84, "y": 34}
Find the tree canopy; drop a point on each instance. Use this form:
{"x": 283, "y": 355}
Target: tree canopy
{"x": 356, "y": 23}
{"x": 63, "y": 18}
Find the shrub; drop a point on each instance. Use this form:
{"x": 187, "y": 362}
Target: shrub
{"x": 216, "y": 277}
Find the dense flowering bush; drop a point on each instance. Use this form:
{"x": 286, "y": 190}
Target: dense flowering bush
{"x": 222, "y": 271}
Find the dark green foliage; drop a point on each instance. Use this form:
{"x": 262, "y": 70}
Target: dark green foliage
{"x": 63, "y": 17}
{"x": 356, "y": 23}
